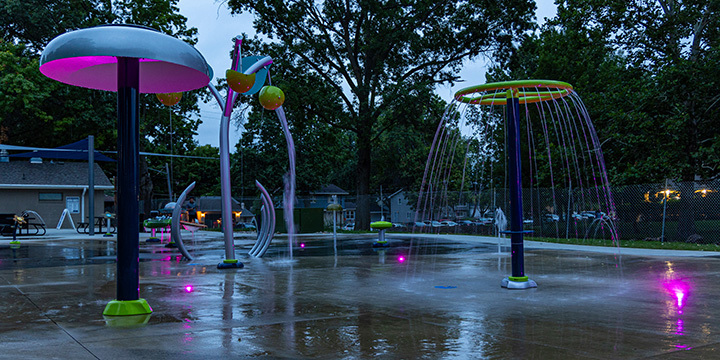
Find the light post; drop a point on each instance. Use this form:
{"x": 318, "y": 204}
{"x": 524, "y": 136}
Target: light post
{"x": 334, "y": 207}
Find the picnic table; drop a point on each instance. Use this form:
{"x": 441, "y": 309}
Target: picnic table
{"x": 34, "y": 225}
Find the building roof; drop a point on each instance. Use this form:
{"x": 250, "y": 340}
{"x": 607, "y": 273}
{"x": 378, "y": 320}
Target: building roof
{"x": 351, "y": 206}
{"x": 214, "y": 203}
{"x": 330, "y": 189}
{"x": 50, "y": 175}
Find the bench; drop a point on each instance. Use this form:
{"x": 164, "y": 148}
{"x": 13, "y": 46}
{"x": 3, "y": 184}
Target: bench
{"x": 34, "y": 222}
{"x": 7, "y": 224}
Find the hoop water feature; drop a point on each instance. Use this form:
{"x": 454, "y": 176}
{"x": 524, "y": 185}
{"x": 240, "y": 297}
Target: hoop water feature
{"x": 542, "y": 125}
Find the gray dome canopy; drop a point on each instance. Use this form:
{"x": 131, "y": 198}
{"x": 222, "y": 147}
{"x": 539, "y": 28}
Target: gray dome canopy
{"x": 88, "y": 58}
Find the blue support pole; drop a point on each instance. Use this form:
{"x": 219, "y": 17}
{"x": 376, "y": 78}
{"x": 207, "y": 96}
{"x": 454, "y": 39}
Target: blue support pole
{"x": 515, "y": 175}
{"x": 128, "y": 281}
{"x": 518, "y": 280}
{"x": 91, "y": 183}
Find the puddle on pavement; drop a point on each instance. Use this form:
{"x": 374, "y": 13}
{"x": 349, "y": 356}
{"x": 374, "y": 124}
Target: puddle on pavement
{"x": 89, "y": 251}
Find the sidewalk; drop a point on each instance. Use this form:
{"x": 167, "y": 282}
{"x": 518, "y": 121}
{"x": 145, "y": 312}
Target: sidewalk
{"x": 425, "y": 296}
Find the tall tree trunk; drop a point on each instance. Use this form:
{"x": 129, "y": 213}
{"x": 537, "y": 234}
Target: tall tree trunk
{"x": 686, "y": 221}
{"x": 362, "y": 211}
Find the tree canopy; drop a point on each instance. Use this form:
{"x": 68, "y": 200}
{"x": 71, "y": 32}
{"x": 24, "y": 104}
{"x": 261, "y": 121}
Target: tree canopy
{"x": 381, "y": 59}
{"x": 648, "y": 72}
{"x": 37, "y": 111}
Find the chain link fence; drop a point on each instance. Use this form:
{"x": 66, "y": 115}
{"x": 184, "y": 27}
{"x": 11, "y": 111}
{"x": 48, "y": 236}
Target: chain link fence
{"x": 672, "y": 212}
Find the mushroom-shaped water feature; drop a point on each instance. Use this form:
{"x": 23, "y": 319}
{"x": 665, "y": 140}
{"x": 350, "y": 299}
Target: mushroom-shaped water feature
{"x": 129, "y": 59}
{"x": 381, "y": 226}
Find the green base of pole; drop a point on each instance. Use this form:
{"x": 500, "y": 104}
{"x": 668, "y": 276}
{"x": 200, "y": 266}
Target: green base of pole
{"x": 518, "y": 283}
{"x": 230, "y": 264}
{"x": 15, "y": 242}
{"x": 127, "y": 307}
{"x": 130, "y": 321}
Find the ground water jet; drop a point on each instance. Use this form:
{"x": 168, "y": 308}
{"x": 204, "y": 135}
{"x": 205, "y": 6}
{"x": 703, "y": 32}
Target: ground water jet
{"x": 536, "y": 132}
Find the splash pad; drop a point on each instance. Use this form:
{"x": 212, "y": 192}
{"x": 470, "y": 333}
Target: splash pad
{"x": 540, "y": 125}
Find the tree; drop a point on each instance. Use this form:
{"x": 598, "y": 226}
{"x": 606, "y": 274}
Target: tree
{"x": 37, "y": 111}
{"x": 324, "y": 152}
{"x": 383, "y": 53}
{"x": 648, "y": 72}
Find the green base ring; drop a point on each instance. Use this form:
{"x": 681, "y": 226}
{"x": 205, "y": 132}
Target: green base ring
{"x": 518, "y": 278}
{"x": 231, "y": 261}
{"x": 381, "y": 225}
{"x": 562, "y": 89}
{"x": 15, "y": 242}
{"x": 127, "y": 307}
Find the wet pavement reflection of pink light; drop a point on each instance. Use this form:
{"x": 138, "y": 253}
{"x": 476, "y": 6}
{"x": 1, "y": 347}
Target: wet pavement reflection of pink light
{"x": 679, "y": 290}
{"x": 680, "y": 327}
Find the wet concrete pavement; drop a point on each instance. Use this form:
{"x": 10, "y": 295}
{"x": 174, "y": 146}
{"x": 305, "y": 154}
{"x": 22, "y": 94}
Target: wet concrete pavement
{"x": 422, "y": 298}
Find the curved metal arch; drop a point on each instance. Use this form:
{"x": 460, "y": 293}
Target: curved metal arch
{"x": 267, "y": 229}
{"x": 175, "y": 224}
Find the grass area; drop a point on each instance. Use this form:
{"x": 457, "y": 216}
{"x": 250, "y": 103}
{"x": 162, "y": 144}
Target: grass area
{"x": 641, "y": 244}
{"x": 632, "y": 244}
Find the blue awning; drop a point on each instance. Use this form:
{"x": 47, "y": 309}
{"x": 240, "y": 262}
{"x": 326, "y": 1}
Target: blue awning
{"x": 75, "y": 151}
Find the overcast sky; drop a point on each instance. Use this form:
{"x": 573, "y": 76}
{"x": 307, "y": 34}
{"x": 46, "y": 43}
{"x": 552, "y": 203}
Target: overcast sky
{"x": 216, "y": 29}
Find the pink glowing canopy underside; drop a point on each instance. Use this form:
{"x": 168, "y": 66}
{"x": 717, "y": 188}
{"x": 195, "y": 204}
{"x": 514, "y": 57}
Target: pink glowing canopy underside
{"x": 100, "y": 72}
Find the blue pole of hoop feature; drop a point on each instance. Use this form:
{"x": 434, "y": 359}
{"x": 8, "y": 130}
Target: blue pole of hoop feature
{"x": 515, "y": 178}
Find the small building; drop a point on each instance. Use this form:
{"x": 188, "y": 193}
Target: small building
{"x": 50, "y": 187}
{"x": 323, "y": 197}
{"x": 348, "y": 214}
{"x": 400, "y": 209}
{"x": 376, "y": 214}
{"x": 210, "y": 211}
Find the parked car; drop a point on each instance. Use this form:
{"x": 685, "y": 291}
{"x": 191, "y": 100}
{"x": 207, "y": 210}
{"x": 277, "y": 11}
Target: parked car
{"x": 399, "y": 226}
{"x": 432, "y": 223}
{"x": 551, "y": 218}
{"x": 448, "y": 223}
{"x": 592, "y": 214}
{"x": 417, "y": 224}
{"x": 465, "y": 222}
{"x": 349, "y": 226}
{"x": 245, "y": 226}
{"x": 485, "y": 221}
